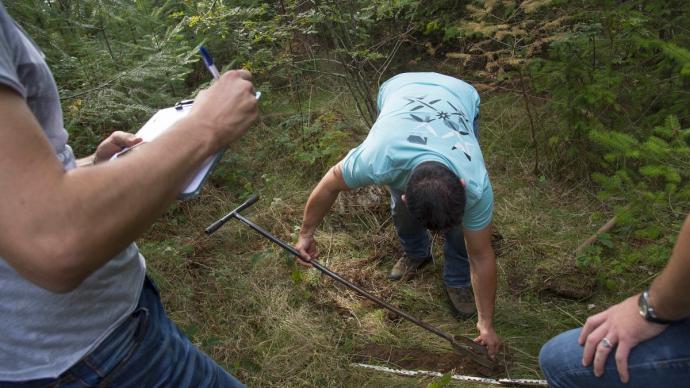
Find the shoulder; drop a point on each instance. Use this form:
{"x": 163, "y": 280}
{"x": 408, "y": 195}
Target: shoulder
{"x": 479, "y": 205}
{"x": 10, "y": 42}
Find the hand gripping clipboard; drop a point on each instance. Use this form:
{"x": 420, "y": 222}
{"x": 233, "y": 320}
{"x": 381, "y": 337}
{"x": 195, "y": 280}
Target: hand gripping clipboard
{"x": 159, "y": 123}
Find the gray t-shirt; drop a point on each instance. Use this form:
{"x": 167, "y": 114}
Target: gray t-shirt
{"x": 42, "y": 333}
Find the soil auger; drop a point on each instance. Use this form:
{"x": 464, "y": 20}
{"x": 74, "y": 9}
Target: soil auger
{"x": 463, "y": 345}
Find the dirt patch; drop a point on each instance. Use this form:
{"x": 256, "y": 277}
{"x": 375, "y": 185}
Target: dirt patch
{"x": 365, "y": 276}
{"x": 497, "y": 242}
{"x": 573, "y": 285}
{"x": 416, "y": 359}
{"x": 384, "y": 247}
{"x": 517, "y": 282}
{"x": 369, "y": 198}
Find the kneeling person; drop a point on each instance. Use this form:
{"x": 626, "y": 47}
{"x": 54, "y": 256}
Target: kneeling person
{"x": 424, "y": 148}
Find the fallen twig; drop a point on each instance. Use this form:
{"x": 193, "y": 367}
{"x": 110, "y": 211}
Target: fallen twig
{"x": 592, "y": 239}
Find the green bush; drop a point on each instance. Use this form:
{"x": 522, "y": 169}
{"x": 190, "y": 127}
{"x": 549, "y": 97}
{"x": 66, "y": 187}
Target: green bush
{"x": 618, "y": 79}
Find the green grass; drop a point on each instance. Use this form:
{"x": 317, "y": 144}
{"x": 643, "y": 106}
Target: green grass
{"x": 242, "y": 299}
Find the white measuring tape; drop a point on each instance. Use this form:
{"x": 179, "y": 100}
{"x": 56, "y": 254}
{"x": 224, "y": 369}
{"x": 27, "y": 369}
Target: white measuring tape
{"x": 472, "y": 379}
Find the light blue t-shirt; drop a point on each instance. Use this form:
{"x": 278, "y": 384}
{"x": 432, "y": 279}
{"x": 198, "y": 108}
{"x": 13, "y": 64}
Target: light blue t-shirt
{"x": 424, "y": 117}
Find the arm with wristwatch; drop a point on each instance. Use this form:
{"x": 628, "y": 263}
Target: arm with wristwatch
{"x": 668, "y": 294}
{"x": 640, "y": 317}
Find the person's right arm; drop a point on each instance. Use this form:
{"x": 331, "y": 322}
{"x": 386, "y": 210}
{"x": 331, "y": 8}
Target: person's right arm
{"x": 58, "y": 227}
{"x": 319, "y": 203}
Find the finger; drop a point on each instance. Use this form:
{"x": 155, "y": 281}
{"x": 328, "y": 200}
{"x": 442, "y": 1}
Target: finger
{"x": 590, "y": 325}
{"x": 235, "y": 74}
{"x": 591, "y": 344}
{"x": 124, "y": 139}
{"x": 303, "y": 255}
{"x": 622, "y": 353}
{"x": 133, "y": 140}
{"x": 493, "y": 349}
{"x": 244, "y": 74}
{"x": 601, "y": 354}
{"x": 248, "y": 87}
{"x": 479, "y": 340}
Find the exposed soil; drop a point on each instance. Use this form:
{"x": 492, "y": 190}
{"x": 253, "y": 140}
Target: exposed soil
{"x": 573, "y": 284}
{"x": 370, "y": 198}
{"x": 417, "y": 359}
{"x": 517, "y": 283}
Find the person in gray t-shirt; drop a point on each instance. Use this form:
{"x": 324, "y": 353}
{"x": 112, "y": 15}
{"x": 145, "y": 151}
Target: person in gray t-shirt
{"x": 76, "y": 305}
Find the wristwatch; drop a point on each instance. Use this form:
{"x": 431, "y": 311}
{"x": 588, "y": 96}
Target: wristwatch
{"x": 647, "y": 311}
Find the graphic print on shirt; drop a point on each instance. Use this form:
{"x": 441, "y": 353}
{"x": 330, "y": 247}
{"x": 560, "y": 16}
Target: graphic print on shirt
{"x": 448, "y": 116}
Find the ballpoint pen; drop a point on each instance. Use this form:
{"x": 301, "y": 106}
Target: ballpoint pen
{"x": 126, "y": 150}
{"x": 208, "y": 60}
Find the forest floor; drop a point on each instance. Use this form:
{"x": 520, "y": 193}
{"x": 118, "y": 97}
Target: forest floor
{"x": 242, "y": 299}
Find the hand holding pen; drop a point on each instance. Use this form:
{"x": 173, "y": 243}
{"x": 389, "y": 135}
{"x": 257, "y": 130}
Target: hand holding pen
{"x": 240, "y": 121}
{"x": 208, "y": 60}
{"x": 229, "y": 105}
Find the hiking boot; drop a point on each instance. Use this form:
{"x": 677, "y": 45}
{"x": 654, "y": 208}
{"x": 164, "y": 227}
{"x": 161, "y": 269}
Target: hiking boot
{"x": 407, "y": 267}
{"x": 462, "y": 302}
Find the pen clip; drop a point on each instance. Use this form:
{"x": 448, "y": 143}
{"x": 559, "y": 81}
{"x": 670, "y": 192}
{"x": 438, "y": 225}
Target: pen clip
{"x": 180, "y": 104}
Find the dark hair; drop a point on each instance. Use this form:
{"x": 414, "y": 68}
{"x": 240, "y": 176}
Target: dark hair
{"x": 435, "y": 196}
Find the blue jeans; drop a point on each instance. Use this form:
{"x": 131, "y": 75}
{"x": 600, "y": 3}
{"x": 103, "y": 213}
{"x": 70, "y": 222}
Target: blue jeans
{"x": 147, "y": 350}
{"x": 416, "y": 243}
{"x": 663, "y": 361}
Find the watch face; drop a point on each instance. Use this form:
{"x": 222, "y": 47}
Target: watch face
{"x": 642, "y": 303}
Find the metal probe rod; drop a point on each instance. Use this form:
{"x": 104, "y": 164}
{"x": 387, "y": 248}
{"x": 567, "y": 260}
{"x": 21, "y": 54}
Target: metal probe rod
{"x": 337, "y": 277}
{"x": 459, "y": 347}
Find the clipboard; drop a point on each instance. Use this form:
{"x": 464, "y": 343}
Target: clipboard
{"x": 159, "y": 123}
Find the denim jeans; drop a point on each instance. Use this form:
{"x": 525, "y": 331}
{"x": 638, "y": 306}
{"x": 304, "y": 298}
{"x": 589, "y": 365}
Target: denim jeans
{"x": 416, "y": 243}
{"x": 663, "y": 361}
{"x": 147, "y": 350}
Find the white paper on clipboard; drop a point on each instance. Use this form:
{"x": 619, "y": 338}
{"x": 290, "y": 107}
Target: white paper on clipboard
{"x": 159, "y": 123}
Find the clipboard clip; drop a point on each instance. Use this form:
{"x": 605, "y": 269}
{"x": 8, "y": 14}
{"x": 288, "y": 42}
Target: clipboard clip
{"x": 181, "y": 104}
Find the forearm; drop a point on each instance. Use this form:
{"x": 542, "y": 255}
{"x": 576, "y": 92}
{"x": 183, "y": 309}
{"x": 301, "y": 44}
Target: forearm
{"x": 80, "y": 219}
{"x": 58, "y": 227}
{"x": 669, "y": 292}
{"x": 483, "y": 272}
{"x": 136, "y": 188}
{"x": 320, "y": 202}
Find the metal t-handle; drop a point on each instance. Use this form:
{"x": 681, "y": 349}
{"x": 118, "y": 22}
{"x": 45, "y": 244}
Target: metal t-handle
{"x": 214, "y": 226}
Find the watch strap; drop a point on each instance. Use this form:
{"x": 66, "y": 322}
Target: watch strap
{"x": 648, "y": 312}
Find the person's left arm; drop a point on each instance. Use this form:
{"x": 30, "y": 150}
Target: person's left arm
{"x": 116, "y": 142}
{"x": 624, "y": 327}
{"x": 483, "y": 271}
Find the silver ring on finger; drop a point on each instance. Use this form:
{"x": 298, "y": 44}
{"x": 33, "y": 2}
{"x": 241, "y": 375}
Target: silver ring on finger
{"x": 605, "y": 343}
